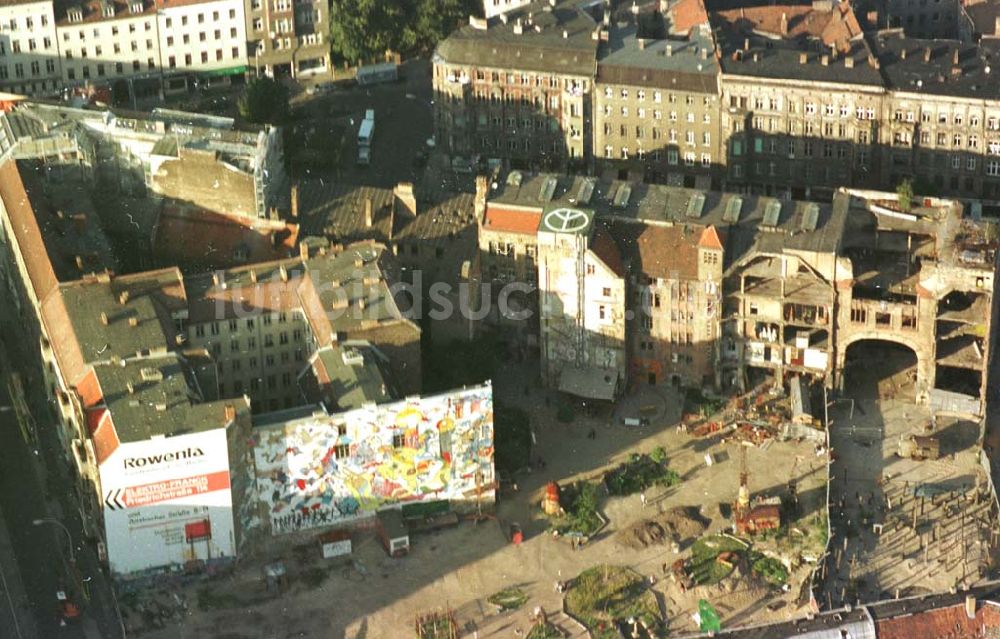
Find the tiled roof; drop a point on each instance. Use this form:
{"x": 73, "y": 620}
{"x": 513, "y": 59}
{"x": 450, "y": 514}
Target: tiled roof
{"x": 665, "y": 252}
{"x": 201, "y": 240}
{"x": 710, "y": 239}
{"x": 951, "y": 621}
{"x": 508, "y": 220}
{"x": 558, "y": 40}
{"x": 687, "y": 14}
{"x": 26, "y": 230}
{"x": 603, "y": 245}
{"x": 835, "y": 27}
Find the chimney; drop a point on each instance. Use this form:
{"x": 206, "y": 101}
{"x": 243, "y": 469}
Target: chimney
{"x": 970, "y": 606}
{"x": 161, "y": 407}
{"x": 295, "y": 200}
{"x": 482, "y": 193}
{"x": 664, "y": 6}
{"x": 849, "y": 62}
{"x": 518, "y": 28}
{"x": 104, "y": 318}
{"x": 303, "y": 251}
{"x": 996, "y": 26}
{"x": 825, "y": 60}
{"x": 403, "y": 196}
{"x": 361, "y": 303}
{"x": 607, "y": 13}
{"x": 784, "y": 24}
{"x": 283, "y": 272}
{"x": 954, "y": 57}
{"x": 803, "y": 57}
{"x": 80, "y": 222}
{"x": 79, "y": 262}
{"x": 130, "y": 386}
{"x": 902, "y": 54}
{"x": 565, "y": 34}
{"x": 123, "y": 298}
{"x": 642, "y": 44}
{"x": 216, "y": 278}
{"x": 704, "y": 53}
{"x": 756, "y": 56}
{"x": 746, "y": 44}
{"x": 253, "y": 276}
{"x": 669, "y": 51}
{"x": 369, "y": 213}
{"x": 230, "y": 413}
{"x": 927, "y": 54}
{"x": 133, "y": 321}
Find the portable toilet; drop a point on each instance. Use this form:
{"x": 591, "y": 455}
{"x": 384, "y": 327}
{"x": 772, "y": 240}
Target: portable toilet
{"x": 393, "y": 533}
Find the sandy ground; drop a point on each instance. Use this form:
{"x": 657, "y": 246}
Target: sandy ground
{"x": 458, "y": 568}
{"x": 948, "y": 545}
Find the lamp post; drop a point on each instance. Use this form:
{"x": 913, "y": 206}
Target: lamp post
{"x": 69, "y": 537}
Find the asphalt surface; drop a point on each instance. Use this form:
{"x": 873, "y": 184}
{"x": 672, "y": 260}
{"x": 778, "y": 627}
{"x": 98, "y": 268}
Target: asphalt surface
{"x": 26, "y": 495}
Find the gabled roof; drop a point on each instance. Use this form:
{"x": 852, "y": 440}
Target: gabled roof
{"x": 710, "y": 239}
{"x": 657, "y": 251}
{"x": 605, "y": 248}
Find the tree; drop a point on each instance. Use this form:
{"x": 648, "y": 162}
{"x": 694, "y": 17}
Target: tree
{"x": 904, "y": 191}
{"x": 264, "y": 101}
{"x": 361, "y": 30}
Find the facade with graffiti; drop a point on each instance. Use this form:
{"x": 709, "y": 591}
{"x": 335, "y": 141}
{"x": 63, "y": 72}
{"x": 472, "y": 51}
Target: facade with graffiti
{"x": 326, "y": 470}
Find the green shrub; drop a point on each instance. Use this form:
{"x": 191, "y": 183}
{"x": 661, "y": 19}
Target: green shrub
{"x": 770, "y": 570}
{"x": 639, "y": 473}
{"x": 658, "y": 455}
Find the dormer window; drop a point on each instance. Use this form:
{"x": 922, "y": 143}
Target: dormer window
{"x": 74, "y": 14}
{"x": 108, "y": 10}
{"x": 136, "y": 6}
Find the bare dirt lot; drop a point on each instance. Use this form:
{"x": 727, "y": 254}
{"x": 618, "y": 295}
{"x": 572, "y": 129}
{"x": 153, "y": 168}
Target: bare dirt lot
{"x": 459, "y": 568}
{"x": 902, "y": 526}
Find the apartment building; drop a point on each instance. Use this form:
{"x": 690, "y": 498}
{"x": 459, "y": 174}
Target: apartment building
{"x": 104, "y": 40}
{"x": 941, "y": 121}
{"x": 29, "y": 53}
{"x": 802, "y": 98}
{"x": 207, "y": 38}
{"x": 675, "y": 293}
{"x": 581, "y": 288}
{"x": 263, "y": 322}
{"x": 518, "y": 87}
{"x": 199, "y": 162}
{"x": 656, "y": 98}
{"x": 288, "y": 38}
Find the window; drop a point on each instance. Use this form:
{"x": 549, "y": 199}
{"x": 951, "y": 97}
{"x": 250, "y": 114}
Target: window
{"x": 706, "y": 138}
{"x": 706, "y": 160}
{"x": 672, "y": 156}
{"x": 993, "y": 168}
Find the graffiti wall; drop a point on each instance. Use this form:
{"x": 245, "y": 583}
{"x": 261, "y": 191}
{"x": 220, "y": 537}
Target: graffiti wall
{"x": 331, "y": 469}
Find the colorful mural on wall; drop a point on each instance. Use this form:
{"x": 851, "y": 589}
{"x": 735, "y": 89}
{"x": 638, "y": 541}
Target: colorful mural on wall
{"x": 330, "y": 469}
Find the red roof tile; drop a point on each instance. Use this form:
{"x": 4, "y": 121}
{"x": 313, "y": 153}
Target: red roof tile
{"x": 203, "y": 240}
{"x": 512, "y": 220}
{"x": 26, "y": 231}
{"x": 710, "y": 239}
{"x": 942, "y": 622}
{"x": 835, "y": 27}
{"x": 687, "y": 14}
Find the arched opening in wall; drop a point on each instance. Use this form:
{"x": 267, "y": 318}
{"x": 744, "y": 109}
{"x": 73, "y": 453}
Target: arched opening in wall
{"x": 878, "y": 370}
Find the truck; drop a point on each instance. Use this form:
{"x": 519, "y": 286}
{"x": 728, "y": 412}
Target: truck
{"x": 365, "y": 134}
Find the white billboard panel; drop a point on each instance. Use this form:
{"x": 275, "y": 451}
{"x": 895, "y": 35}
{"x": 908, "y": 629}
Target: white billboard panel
{"x": 168, "y": 501}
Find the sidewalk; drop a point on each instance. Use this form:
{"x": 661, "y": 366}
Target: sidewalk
{"x": 15, "y": 611}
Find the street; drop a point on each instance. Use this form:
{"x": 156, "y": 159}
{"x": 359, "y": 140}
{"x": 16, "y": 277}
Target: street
{"x": 42, "y": 551}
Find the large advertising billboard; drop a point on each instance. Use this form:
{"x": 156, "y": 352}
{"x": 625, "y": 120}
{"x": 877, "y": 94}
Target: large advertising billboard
{"x": 331, "y": 469}
{"x": 167, "y": 501}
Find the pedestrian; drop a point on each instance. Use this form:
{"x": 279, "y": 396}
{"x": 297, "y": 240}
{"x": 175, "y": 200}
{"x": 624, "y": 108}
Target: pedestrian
{"x": 642, "y": 498}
